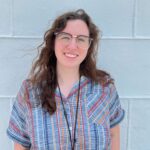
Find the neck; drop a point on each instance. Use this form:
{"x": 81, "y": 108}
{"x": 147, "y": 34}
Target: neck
{"x": 67, "y": 75}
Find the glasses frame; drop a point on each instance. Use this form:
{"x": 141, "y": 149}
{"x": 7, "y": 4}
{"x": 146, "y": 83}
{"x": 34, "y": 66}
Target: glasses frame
{"x": 75, "y": 36}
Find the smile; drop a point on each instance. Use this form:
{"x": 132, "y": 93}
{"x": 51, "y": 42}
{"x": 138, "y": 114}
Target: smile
{"x": 71, "y": 55}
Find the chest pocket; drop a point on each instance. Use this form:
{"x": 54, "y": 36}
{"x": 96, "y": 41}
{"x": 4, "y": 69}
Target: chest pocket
{"x": 98, "y": 118}
{"x": 98, "y": 108}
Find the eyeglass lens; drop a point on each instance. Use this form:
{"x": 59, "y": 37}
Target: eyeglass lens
{"x": 82, "y": 41}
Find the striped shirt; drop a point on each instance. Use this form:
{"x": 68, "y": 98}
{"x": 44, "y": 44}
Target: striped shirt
{"x": 99, "y": 111}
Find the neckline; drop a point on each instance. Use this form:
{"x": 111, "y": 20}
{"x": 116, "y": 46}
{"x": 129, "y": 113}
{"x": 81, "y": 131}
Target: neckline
{"x": 73, "y": 90}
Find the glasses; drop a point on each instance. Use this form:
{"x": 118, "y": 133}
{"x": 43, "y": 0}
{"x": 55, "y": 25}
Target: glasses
{"x": 82, "y": 41}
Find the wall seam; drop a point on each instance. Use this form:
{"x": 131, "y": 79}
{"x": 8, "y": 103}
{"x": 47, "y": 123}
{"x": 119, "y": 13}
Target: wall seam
{"x": 11, "y": 19}
{"x": 104, "y": 38}
{"x": 134, "y": 19}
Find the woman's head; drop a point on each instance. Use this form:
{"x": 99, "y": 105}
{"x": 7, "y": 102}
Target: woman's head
{"x": 60, "y": 25}
{"x": 72, "y": 44}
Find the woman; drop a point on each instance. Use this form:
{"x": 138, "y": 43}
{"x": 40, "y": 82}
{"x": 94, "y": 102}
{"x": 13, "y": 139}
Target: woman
{"x": 67, "y": 103}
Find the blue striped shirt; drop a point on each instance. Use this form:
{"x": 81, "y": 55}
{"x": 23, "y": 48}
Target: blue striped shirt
{"x": 99, "y": 111}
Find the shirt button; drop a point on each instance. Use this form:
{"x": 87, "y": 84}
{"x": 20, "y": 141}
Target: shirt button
{"x": 70, "y": 128}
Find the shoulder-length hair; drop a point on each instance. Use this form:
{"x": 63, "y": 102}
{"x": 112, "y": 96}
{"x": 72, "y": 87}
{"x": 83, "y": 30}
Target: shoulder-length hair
{"x": 43, "y": 73}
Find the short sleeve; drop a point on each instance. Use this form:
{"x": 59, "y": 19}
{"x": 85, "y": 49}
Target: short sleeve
{"x": 17, "y": 129}
{"x": 115, "y": 109}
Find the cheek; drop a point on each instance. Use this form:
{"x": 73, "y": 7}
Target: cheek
{"x": 85, "y": 53}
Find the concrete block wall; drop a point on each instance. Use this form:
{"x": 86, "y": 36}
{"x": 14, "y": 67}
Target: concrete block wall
{"x": 124, "y": 52}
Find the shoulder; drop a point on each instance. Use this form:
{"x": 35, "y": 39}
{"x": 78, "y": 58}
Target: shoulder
{"x": 101, "y": 94}
{"x": 97, "y": 87}
{"x": 103, "y": 77}
{"x": 104, "y": 88}
{"x": 110, "y": 89}
{"x": 28, "y": 92}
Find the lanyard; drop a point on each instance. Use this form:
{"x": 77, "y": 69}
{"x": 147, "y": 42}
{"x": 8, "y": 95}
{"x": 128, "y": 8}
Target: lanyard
{"x": 76, "y": 117}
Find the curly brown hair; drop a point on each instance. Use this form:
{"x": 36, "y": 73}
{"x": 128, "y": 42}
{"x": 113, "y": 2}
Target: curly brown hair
{"x": 43, "y": 73}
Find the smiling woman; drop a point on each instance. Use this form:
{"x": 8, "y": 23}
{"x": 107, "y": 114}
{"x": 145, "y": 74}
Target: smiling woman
{"x": 67, "y": 103}
{"x": 71, "y": 46}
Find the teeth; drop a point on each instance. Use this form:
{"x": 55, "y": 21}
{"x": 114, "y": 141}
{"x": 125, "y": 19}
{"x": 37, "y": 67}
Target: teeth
{"x": 70, "y": 55}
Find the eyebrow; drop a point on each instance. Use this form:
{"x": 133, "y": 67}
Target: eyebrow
{"x": 74, "y": 35}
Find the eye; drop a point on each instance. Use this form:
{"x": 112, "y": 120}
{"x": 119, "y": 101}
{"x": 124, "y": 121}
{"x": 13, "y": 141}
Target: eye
{"x": 82, "y": 39}
{"x": 64, "y": 36}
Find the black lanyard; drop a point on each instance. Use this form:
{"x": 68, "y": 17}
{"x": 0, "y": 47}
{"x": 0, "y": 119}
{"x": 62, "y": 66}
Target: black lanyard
{"x": 76, "y": 117}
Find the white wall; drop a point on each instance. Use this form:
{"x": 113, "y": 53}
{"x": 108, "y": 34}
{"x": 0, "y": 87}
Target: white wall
{"x": 124, "y": 52}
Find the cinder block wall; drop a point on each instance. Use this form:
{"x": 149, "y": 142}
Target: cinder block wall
{"x": 124, "y": 52}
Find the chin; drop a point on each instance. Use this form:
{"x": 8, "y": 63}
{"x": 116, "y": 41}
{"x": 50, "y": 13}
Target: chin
{"x": 72, "y": 65}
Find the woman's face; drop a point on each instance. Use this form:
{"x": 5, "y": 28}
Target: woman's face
{"x": 70, "y": 52}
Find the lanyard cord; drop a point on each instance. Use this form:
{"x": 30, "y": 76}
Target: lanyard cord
{"x": 76, "y": 116}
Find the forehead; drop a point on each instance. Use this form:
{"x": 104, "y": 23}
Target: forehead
{"x": 76, "y": 27}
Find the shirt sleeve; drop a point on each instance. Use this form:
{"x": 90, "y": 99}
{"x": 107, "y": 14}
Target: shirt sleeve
{"x": 115, "y": 109}
{"x": 17, "y": 129}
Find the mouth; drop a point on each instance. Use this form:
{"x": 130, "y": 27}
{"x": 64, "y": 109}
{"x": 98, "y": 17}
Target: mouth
{"x": 71, "y": 55}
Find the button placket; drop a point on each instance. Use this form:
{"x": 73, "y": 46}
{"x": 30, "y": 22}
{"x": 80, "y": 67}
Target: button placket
{"x": 68, "y": 113}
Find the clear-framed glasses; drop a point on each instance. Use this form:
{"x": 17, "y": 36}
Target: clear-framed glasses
{"x": 82, "y": 41}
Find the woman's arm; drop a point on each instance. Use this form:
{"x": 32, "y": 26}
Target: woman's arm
{"x": 115, "y": 138}
{"x": 19, "y": 147}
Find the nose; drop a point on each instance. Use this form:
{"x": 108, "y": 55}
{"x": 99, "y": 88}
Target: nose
{"x": 73, "y": 43}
